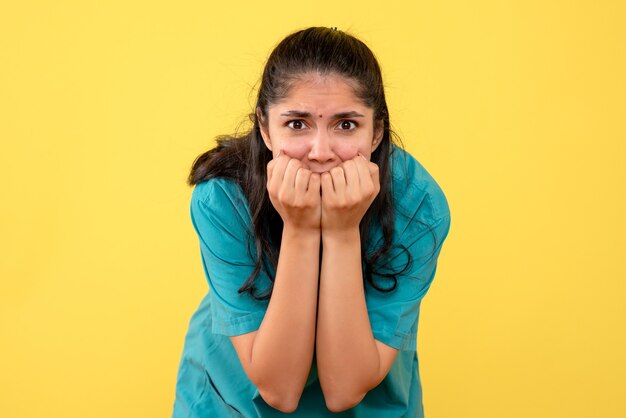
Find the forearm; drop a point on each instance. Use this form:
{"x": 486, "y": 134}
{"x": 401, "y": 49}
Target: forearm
{"x": 282, "y": 352}
{"x": 347, "y": 356}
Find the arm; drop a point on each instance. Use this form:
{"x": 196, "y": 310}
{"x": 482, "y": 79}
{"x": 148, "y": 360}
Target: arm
{"x": 350, "y": 361}
{"x": 278, "y": 356}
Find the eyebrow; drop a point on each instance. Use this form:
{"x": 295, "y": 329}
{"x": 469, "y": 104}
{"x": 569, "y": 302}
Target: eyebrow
{"x": 301, "y": 114}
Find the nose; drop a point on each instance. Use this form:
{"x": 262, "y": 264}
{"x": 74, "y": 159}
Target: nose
{"x": 321, "y": 149}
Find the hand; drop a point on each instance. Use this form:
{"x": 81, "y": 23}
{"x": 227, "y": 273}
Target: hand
{"x": 348, "y": 190}
{"x": 295, "y": 193}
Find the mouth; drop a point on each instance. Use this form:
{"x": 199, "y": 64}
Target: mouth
{"x": 320, "y": 170}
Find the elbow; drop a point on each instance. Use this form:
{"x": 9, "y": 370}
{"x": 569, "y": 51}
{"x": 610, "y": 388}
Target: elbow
{"x": 335, "y": 403}
{"x": 344, "y": 396}
{"x": 283, "y": 402}
{"x": 280, "y": 392}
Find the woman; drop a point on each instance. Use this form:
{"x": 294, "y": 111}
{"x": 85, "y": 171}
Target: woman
{"x": 319, "y": 238}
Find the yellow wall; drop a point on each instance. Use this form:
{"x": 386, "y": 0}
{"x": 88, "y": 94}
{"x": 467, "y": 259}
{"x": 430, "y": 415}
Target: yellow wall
{"x": 516, "y": 108}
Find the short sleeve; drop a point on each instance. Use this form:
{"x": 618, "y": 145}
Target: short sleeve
{"x": 221, "y": 219}
{"x": 422, "y": 225}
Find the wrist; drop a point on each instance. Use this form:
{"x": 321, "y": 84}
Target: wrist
{"x": 331, "y": 236}
{"x": 291, "y": 231}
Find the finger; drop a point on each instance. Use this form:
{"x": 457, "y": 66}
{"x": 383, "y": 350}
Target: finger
{"x": 373, "y": 168}
{"x": 289, "y": 180}
{"x": 365, "y": 162}
{"x": 278, "y": 172}
{"x": 272, "y": 162}
{"x": 351, "y": 173}
{"x": 313, "y": 192}
{"x": 271, "y": 165}
{"x": 302, "y": 182}
{"x": 365, "y": 176}
{"x": 353, "y": 184}
{"x": 339, "y": 181}
{"x": 327, "y": 186}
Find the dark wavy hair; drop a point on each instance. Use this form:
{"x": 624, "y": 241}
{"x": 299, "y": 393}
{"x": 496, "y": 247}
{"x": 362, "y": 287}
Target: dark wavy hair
{"x": 244, "y": 157}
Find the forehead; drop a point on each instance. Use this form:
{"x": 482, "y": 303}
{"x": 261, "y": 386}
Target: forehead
{"x": 314, "y": 91}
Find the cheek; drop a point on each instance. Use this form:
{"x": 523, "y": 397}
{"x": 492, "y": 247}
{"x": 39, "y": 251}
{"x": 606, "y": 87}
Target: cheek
{"x": 297, "y": 150}
{"x": 292, "y": 147}
{"x": 347, "y": 150}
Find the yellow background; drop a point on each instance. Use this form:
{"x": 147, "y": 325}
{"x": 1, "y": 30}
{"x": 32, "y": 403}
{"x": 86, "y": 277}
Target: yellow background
{"x": 516, "y": 108}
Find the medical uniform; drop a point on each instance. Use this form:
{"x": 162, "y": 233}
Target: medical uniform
{"x": 211, "y": 381}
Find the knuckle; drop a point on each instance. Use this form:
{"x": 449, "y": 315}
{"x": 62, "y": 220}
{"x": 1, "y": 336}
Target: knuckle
{"x": 336, "y": 171}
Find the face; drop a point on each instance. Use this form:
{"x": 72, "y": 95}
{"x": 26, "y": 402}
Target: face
{"x": 321, "y": 123}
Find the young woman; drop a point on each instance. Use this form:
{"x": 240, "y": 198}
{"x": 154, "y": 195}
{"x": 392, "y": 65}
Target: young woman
{"x": 319, "y": 238}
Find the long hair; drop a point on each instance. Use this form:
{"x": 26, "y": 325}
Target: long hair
{"x": 244, "y": 157}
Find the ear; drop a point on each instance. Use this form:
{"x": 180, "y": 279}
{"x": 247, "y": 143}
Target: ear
{"x": 264, "y": 129}
{"x": 379, "y": 132}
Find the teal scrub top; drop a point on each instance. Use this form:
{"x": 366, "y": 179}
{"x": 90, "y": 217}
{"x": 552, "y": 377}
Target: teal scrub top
{"x": 211, "y": 381}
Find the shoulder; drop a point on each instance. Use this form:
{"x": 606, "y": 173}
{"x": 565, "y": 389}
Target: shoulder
{"x": 221, "y": 196}
{"x": 416, "y": 193}
{"x": 216, "y": 190}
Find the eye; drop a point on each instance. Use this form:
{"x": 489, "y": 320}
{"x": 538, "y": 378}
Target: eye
{"x": 348, "y": 125}
{"x": 297, "y": 124}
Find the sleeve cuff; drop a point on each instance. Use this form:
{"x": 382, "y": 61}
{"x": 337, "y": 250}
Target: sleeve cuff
{"x": 395, "y": 338}
{"x": 237, "y": 325}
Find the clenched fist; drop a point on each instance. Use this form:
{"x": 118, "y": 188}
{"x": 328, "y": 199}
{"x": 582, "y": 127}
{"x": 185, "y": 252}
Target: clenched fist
{"x": 295, "y": 193}
{"x": 348, "y": 190}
